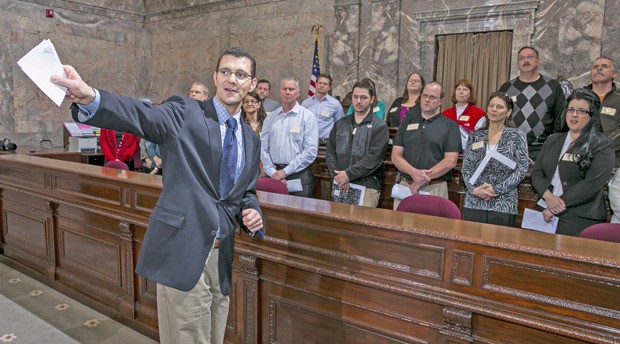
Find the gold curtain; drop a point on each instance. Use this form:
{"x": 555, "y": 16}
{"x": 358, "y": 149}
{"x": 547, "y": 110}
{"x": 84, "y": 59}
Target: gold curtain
{"x": 482, "y": 58}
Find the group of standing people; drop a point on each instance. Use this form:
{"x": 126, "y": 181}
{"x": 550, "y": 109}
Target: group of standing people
{"x": 215, "y": 147}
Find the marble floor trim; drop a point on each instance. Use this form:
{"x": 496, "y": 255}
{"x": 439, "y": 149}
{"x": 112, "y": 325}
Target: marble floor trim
{"x": 32, "y": 312}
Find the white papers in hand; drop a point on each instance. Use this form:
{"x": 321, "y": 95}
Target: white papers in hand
{"x": 535, "y": 220}
{"x": 294, "y": 185}
{"x": 400, "y": 191}
{"x": 40, "y": 64}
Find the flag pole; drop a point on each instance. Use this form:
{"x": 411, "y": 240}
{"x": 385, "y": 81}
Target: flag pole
{"x": 316, "y": 69}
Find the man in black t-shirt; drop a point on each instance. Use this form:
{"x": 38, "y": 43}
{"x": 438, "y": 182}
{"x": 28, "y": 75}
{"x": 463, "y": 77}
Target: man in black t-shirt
{"x": 427, "y": 146}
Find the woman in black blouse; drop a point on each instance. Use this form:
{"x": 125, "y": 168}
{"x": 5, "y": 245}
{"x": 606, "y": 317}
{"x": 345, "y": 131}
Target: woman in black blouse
{"x": 573, "y": 167}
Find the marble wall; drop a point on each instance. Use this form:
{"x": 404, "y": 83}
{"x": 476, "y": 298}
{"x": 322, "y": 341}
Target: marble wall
{"x": 152, "y": 49}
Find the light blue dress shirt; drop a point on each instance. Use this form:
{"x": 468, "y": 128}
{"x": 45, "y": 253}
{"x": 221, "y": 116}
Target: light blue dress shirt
{"x": 289, "y": 138}
{"x": 327, "y": 111}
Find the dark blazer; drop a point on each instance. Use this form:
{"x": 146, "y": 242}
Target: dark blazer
{"x": 392, "y": 115}
{"x": 190, "y": 209}
{"x": 582, "y": 190}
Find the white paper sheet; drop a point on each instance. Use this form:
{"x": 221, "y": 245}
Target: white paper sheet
{"x": 400, "y": 192}
{"x": 40, "y": 64}
{"x": 535, "y": 220}
{"x": 294, "y": 185}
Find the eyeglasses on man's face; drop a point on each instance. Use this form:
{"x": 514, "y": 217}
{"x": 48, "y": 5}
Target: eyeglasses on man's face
{"x": 240, "y": 75}
{"x": 528, "y": 57}
{"x": 429, "y": 97}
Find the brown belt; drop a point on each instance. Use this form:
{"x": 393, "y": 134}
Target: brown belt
{"x": 432, "y": 182}
{"x": 216, "y": 243}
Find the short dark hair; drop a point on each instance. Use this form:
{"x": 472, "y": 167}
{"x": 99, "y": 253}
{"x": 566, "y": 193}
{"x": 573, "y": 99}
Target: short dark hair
{"x": 366, "y": 84}
{"x": 327, "y": 76}
{"x": 264, "y": 81}
{"x": 527, "y": 47}
{"x": 239, "y": 53}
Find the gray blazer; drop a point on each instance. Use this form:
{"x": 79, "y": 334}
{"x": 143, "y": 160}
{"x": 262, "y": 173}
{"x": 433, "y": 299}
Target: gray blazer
{"x": 183, "y": 224}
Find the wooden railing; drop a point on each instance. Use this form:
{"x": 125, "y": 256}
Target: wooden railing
{"x": 323, "y": 273}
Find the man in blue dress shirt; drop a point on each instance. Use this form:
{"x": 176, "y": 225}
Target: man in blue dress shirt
{"x": 326, "y": 108}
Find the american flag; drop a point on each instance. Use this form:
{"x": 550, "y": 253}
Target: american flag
{"x": 316, "y": 69}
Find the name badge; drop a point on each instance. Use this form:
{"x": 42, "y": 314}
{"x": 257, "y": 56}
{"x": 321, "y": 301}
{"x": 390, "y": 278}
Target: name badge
{"x": 464, "y": 118}
{"x": 376, "y": 109}
{"x": 354, "y": 131}
{"x": 477, "y": 145}
{"x": 514, "y": 99}
{"x": 394, "y": 109}
{"x": 413, "y": 126}
{"x": 568, "y": 157}
{"x": 325, "y": 113}
{"x": 295, "y": 130}
{"x": 608, "y": 111}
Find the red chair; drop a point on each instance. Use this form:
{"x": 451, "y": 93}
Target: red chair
{"x": 430, "y": 205}
{"x": 271, "y": 185}
{"x": 602, "y": 231}
{"x": 117, "y": 164}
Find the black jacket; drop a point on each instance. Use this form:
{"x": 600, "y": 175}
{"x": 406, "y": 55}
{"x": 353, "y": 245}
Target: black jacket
{"x": 360, "y": 155}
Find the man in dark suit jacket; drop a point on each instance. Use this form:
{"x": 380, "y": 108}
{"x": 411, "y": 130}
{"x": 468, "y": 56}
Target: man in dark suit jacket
{"x": 188, "y": 247}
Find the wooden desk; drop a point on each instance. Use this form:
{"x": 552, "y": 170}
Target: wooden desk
{"x": 58, "y": 153}
{"x": 324, "y": 272}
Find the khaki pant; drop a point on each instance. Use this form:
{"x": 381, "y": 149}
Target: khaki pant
{"x": 371, "y": 198}
{"x": 439, "y": 189}
{"x": 195, "y": 316}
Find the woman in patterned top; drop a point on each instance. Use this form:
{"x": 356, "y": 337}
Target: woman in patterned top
{"x": 492, "y": 196}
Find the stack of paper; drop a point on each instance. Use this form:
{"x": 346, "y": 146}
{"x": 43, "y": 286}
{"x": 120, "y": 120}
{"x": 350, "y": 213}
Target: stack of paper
{"x": 40, "y": 64}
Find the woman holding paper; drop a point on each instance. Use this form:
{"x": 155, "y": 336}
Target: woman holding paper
{"x": 573, "y": 167}
{"x": 494, "y": 163}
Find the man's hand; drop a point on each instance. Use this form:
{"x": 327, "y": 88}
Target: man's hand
{"x": 252, "y": 219}
{"x": 77, "y": 90}
{"x": 415, "y": 187}
{"x": 279, "y": 175}
{"x": 157, "y": 161}
{"x": 420, "y": 176}
{"x": 342, "y": 180}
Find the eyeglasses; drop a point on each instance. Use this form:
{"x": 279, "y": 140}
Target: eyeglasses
{"x": 431, "y": 98}
{"x": 240, "y": 75}
{"x": 579, "y": 111}
{"x": 415, "y": 81}
{"x": 250, "y": 101}
{"x": 528, "y": 57}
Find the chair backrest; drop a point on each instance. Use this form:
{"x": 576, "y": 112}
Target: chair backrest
{"x": 430, "y": 205}
{"x": 271, "y": 185}
{"x": 117, "y": 164}
{"x": 602, "y": 231}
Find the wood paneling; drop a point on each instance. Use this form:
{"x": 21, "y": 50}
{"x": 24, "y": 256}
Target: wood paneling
{"x": 324, "y": 272}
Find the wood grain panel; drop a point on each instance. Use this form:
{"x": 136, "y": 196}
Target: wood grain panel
{"x": 324, "y": 272}
{"x": 81, "y": 189}
{"x": 547, "y": 285}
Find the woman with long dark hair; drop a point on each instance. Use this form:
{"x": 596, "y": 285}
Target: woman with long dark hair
{"x": 573, "y": 167}
{"x": 410, "y": 98}
{"x": 253, "y": 112}
{"x": 492, "y": 197}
